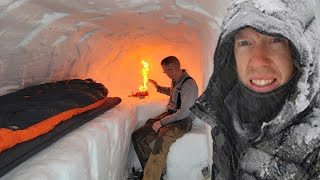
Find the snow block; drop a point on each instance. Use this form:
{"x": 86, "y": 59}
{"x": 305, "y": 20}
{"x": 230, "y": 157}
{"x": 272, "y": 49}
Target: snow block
{"x": 189, "y": 157}
{"x": 98, "y": 150}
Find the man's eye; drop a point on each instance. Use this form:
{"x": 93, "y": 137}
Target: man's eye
{"x": 277, "y": 40}
{"x": 243, "y": 43}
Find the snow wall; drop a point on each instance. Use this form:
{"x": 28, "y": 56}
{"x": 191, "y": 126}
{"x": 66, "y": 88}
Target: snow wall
{"x": 46, "y": 41}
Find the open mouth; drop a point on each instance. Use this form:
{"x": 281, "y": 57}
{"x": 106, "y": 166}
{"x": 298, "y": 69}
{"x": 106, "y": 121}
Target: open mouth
{"x": 263, "y": 85}
{"x": 264, "y": 82}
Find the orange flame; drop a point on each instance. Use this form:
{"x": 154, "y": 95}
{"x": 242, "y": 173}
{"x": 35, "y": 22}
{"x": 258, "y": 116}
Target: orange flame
{"x": 145, "y": 70}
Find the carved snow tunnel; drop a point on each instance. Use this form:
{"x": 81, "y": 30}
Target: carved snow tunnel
{"x": 46, "y": 41}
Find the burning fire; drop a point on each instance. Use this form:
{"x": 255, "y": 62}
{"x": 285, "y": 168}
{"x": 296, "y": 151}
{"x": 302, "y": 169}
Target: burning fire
{"x": 145, "y": 70}
{"x": 143, "y": 88}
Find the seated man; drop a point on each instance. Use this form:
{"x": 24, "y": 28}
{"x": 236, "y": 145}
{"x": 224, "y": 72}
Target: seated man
{"x": 263, "y": 97}
{"x": 168, "y": 126}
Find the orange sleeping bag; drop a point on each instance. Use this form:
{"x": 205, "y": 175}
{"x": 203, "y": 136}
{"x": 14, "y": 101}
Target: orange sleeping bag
{"x": 9, "y": 138}
{"x": 35, "y": 110}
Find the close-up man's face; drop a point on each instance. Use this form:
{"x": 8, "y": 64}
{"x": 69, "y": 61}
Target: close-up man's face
{"x": 264, "y": 62}
{"x": 171, "y": 70}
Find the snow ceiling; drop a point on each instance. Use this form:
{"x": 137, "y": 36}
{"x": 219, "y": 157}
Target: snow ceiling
{"x": 46, "y": 41}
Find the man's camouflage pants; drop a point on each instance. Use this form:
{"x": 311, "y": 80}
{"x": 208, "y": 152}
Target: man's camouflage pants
{"x": 153, "y": 161}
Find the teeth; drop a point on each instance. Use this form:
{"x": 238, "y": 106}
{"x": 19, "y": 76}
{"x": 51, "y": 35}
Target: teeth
{"x": 264, "y": 82}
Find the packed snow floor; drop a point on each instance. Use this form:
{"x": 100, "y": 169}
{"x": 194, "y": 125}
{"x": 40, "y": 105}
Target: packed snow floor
{"x": 102, "y": 148}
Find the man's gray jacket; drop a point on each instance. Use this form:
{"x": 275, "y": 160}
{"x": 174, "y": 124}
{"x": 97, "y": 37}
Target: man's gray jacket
{"x": 188, "y": 94}
{"x": 288, "y": 145}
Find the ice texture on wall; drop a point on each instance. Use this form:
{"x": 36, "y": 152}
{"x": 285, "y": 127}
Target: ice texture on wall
{"x": 46, "y": 41}
{"x": 318, "y": 11}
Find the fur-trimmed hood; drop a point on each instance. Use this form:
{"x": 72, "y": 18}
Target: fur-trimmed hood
{"x": 292, "y": 19}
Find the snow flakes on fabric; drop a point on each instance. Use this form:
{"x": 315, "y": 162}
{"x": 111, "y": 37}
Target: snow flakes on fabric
{"x": 254, "y": 158}
{"x": 301, "y": 102}
{"x": 236, "y": 2}
{"x": 310, "y": 131}
{"x": 269, "y": 6}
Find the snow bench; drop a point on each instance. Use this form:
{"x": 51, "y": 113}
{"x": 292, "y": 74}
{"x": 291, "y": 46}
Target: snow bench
{"x": 189, "y": 157}
{"x": 102, "y": 149}
{"x": 95, "y": 151}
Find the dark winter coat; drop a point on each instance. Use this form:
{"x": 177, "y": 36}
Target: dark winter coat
{"x": 287, "y": 146}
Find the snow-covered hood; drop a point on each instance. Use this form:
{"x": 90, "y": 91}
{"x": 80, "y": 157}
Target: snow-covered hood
{"x": 293, "y": 19}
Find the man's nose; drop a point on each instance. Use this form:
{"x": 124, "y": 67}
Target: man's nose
{"x": 260, "y": 57}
